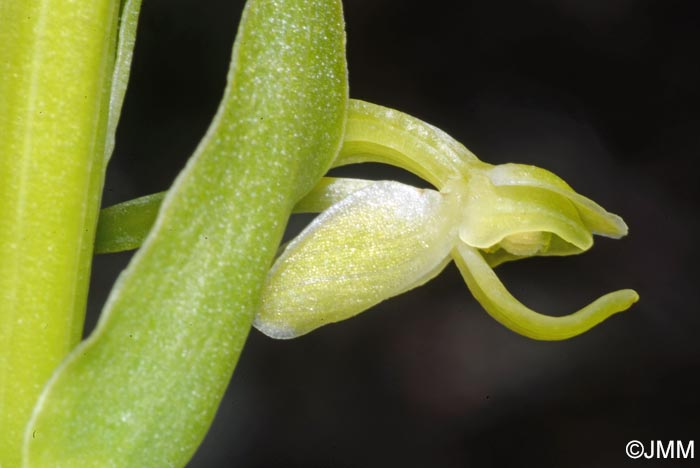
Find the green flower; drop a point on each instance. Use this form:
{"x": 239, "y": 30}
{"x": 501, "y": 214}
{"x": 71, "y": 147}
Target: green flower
{"x": 380, "y": 239}
{"x": 374, "y": 240}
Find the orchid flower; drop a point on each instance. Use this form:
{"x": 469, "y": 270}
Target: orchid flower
{"x": 380, "y": 239}
{"x": 376, "y": 239}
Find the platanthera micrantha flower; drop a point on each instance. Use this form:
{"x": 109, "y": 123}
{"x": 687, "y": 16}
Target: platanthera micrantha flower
{"x": 374, "y": 240}
{"x": 380, "y": 239}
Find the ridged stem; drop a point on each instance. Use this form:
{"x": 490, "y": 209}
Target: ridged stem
{"x": 56, "y": 63}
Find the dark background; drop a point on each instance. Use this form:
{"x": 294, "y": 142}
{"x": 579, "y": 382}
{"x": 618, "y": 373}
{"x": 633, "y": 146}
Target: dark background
{"x": 603, "y": 93}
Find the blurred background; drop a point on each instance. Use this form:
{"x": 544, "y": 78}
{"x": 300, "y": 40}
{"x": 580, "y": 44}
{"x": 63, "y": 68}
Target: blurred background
{"x": 604, "y": 94}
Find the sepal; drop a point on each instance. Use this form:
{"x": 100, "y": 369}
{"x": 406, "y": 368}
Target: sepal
{"x": 378, "y": 242}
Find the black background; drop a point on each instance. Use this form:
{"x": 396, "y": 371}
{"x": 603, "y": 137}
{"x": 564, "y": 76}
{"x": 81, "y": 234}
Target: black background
{"x": 603, "y": 93}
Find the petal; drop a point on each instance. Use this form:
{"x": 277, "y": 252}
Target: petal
{"x": 376, "y": 243}
{"x": 596, "y": 219}
{"x": 501, "y": 305}
{"x": 492, "y": 214}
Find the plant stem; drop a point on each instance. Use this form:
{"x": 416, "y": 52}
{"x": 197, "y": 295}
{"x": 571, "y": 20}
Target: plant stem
{"x": 56, "y": 66}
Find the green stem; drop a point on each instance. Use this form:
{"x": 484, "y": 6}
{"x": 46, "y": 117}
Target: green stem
{"x": 55, "y": 73}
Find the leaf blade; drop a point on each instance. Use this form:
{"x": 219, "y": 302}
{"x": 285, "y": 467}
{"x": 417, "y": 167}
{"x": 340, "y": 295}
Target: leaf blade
{"x": 143, "y": 389}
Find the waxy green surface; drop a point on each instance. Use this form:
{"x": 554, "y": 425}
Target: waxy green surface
{"x": 144, "y": 387}
{"x": 58, "y": 64}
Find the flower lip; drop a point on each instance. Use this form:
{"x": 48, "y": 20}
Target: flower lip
{"x": 490, "y": 292}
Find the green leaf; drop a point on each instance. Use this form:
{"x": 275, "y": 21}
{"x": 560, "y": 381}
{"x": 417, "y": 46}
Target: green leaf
{"x": 143, "y": 389}
{"x": 128, "y": 22}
